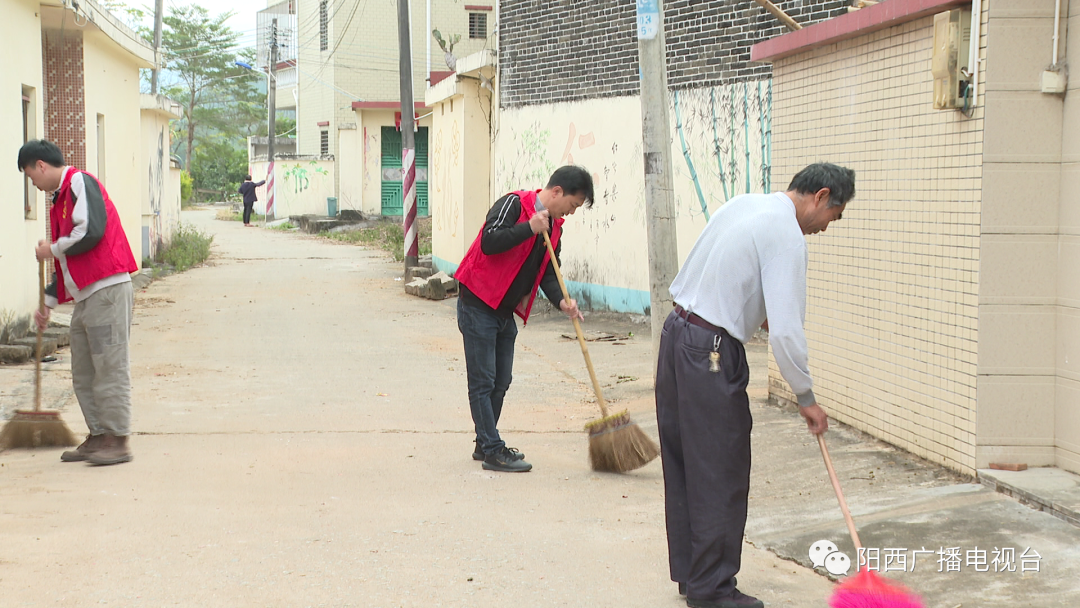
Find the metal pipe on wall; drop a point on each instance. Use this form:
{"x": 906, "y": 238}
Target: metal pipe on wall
{"x": 973, "y": 51}
{"x": 427, "y": 36}
{"x": 1057, "y": 32}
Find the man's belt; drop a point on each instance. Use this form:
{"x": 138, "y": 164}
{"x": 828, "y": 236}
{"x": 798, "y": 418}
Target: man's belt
{"x": 696, "y": 320}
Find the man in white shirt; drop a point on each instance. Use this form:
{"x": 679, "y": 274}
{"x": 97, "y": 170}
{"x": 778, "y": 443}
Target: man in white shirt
{"x": 746, "y": 270}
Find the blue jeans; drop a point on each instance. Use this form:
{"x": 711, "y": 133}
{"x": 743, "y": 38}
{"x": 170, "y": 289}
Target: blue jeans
{"x": 489, "y": 360}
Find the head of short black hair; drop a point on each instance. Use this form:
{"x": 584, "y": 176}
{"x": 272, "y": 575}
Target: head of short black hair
{"x": 573, "y": 180}
{"x": 839, "y": 180}
{"x": 40, "y": 149}
{"x": 247, "y": 178}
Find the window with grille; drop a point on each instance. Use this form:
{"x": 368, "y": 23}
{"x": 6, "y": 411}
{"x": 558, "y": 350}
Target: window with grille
{"x": 477, "y": 25}
{"x": 324, "y": 143}
{"x": 324, "y": 19}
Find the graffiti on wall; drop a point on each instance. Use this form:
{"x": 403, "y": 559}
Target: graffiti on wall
{"x": 442, "y": 156}
{"x": 156, "y": 186}
{"x": 723, "y": 138}
{"x": 528, "y": 162}
{"x": 299, "y": 175}
{"x": 720, "y": 148}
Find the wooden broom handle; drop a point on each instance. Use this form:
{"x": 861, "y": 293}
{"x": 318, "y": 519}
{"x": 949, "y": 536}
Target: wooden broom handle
{"x": 839, "y": 493}
{"x": 577, "y": 328}
{"x": 37, "y": 351}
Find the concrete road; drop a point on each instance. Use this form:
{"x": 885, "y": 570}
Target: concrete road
{"x": 303, "y": 439}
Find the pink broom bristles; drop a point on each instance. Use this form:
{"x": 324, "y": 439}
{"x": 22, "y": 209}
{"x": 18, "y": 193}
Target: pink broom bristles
{"x": 867, "y": 590}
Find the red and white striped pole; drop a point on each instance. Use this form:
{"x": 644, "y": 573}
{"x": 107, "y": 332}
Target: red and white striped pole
{"x": 412, "y": 248}
{"x": 408, "y": 147}
{"x": 269, "y": 217}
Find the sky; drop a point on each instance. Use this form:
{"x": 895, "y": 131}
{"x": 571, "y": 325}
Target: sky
{"x": 242, "y": 21}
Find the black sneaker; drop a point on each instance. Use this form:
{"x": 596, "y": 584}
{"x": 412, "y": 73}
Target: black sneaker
{"x": 506, "y": 461}
{"x": 478, "y": 454}
{"x": 737, "y": 599}
{"x": 682, "y": 589}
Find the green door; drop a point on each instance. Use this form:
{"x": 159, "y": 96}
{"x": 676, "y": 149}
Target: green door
{"x": 392, "y": 195}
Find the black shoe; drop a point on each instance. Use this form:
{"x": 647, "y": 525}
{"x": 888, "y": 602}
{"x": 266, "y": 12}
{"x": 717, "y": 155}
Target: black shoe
{"x": 737, "y": 599}
{"x": 506, "y": 461}
{"x": 478, "y": 454}
{"x": 682, "y": 589}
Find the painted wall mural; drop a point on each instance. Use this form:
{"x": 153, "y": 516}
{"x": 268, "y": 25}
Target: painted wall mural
{"x": 720, "y": 148}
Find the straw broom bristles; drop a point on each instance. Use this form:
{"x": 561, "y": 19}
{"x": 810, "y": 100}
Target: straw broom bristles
{"x": 618, "y": 445}
{"x": 40, "y": 429}
{"x": 36, "y": 428}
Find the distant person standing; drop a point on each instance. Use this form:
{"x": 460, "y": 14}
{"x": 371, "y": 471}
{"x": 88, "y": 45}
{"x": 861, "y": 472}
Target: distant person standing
{"x": 247, "y": 189}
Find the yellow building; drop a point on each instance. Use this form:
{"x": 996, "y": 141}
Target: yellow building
{"x": 77, "y": 69}
{"x": 348, "y": 93}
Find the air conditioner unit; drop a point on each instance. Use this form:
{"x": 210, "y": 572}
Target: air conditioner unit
{"x": 950, "y": 65}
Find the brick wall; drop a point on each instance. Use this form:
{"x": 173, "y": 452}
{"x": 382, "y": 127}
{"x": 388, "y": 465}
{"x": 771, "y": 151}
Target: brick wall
{"x": 65, "y": 111}
{"x": 554, "y": 50}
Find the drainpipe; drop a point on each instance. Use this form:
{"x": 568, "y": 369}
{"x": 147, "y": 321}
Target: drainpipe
{"x": 427, "y": 36}
{"x": 1057, "y": 31}
{"x": 973, "y": 52}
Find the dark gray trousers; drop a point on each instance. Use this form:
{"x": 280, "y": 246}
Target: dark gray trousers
{"x": 704, "y": 419}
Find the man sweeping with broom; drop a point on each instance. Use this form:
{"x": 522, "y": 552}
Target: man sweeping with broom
{"x": 499, "y": 278}
{"x": 92, "y": 260}
{"x": 747, "y": 268}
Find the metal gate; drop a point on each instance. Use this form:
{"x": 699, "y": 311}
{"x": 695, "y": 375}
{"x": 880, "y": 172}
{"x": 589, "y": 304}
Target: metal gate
{"x": 392, "y": 196}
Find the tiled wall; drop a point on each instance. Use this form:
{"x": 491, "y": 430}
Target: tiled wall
{"x": 892, "y": 308}
{"x": 1029, "y": 389}
{"x": 65, "y": 112}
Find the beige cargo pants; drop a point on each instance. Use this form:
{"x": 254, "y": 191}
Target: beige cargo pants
{"x": 100, "y": 361}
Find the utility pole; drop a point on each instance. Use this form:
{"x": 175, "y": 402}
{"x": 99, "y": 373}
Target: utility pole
{"x": 656, "y": 139}
{"x": 158, "y": 10}
{"x": 271, "y": 84}
{"x": 408, "y": 147}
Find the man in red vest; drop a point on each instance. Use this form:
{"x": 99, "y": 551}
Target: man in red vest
{"x": 92, "y": 260}
{"x": 499, "y": 277}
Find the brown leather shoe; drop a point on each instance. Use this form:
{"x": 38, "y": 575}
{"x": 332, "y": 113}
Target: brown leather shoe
{"x": 81, "y": 453}
{"x": 114, "y": 450}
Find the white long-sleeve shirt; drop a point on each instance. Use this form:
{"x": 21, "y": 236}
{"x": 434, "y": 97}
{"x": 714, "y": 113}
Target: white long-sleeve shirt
{"x": 749, "y": 264}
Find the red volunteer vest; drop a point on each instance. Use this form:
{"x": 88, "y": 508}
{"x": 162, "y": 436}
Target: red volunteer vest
{"x": 112, "y": 255}
{"x": 490, "y": 276}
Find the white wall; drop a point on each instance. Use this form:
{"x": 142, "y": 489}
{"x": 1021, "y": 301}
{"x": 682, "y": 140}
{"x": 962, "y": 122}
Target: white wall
{"x": 605, "y": 251}
{"x": 160, "y": 183}
{"x": 302, "y": 186}
{"x": 111, "y": 80}
{"x": 18, "y": 235}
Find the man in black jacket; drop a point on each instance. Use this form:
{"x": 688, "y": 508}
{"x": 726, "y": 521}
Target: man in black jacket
{"x": 247, "y": 189}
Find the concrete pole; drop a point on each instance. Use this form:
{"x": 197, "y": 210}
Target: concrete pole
{"x": 656, "y": 138}
{"x": 408, "y": 147}
{"x": 159, "y": 9}
{"x": 271, "y": 83}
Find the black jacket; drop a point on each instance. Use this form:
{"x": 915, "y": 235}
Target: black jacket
{"x": 248, "y": 190}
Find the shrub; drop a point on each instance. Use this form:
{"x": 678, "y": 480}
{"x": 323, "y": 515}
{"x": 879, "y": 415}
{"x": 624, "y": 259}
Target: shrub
{"x": 189, "y": 247}
{"x": 186, "y": 188}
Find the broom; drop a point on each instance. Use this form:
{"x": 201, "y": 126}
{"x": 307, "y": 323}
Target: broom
{"x": 866, "y": 589}
{"x": 616, "y": 443}
{"x": 37, "y": 428}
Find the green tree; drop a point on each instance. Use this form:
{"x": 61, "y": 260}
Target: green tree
{"x": 236, "y": 107}
{"x": 199, "y": 54}
{"x": 218, "y": 165}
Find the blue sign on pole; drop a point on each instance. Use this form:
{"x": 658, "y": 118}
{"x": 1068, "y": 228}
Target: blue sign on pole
{"x": 648, "y": 19}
